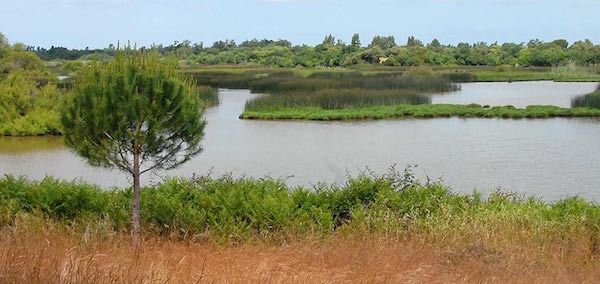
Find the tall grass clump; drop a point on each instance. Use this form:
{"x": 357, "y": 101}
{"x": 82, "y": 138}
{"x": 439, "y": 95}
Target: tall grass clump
{"x": 345, "y": 90}
{"x": 576, "y": 72}
{"x": 460, "y": 77}
{"x": 208, "y": 95}
{"x": 335, "y": 99}
{"x": 409, "y": 81}
{"x": 232, "y": 79}
{"x": 591, "y": 100}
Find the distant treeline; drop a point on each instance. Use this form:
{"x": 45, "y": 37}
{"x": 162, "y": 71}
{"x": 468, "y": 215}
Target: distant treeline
{"x": 383, "y": 50}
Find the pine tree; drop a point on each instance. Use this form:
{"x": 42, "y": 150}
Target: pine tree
{"x": 329, "y": 40}
{"x": 137, "y": 114}
{"x": 412, "y": 41}
{"x": 355, "y": 40}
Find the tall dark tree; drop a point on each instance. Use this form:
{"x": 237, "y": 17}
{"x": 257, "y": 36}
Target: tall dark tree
{"x": 355, "y": 40}
{"x": 435, "y": 43}
{"x": 137, "y": 114}
{"x": 412, "y": 41}
{"x": 329, "y": 40}
{"x": 384, "y": 42}
{"x": 4, "y": 46}
{"x": 563, "y": 43}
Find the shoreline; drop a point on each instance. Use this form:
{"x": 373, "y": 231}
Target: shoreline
{"x": 422, "y": 112}
{"x": 53, "y": 226}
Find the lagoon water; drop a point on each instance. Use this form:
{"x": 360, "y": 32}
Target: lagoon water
{"x": 517, "y": 94}
{"x": 549, "y": 158}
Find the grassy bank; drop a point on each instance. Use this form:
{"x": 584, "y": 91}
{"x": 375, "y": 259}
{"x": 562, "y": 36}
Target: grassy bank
{"x": 512, "y": 74}
{"x": 421, "y": 111}
{"x": 241, "y": 77}
{"x": 193, "y": 227}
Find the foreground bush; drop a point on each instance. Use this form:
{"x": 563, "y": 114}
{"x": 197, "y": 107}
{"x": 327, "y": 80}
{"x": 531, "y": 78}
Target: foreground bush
{"x": 231, "y": 209}
{"x": 387, "y": 227}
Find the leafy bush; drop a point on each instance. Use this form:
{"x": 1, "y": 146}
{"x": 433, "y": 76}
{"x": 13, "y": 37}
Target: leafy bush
{"x": 267, "y": 209}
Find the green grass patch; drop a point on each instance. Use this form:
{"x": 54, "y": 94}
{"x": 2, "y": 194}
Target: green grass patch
{"x": 421, "y": 111}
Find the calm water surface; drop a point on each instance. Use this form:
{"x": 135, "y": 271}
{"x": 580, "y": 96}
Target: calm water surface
{"x": 518, "y": 94}
{"x": 549, "y": 158}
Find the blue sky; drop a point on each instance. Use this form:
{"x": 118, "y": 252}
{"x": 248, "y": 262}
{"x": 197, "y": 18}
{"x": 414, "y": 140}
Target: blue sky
{"x": 96, "y": 23}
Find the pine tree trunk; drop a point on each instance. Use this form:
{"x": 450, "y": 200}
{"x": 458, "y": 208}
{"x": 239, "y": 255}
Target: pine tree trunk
{"x": 135, "y": 203}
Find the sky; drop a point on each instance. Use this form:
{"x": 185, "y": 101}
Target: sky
{"x": 97, "y": 23}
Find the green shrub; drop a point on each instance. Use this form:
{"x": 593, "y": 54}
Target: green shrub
{"x": 238, "y": 209}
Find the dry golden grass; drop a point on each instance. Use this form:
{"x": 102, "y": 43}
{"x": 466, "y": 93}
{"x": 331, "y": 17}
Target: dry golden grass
{"x": 48, "y": 253}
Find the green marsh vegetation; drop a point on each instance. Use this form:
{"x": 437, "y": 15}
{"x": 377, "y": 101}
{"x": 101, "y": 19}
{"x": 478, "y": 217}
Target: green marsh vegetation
{"x": 234, "y": 210}
{"x": 422, "y": 111}
{"x": 590, "y": 100}
{"x": 563, "y": 73}
{"x": 373, "y": 93}
{"x": 208, "y": 95}
{"x": 338, "y": 90}
{"x": 327, "y": 89}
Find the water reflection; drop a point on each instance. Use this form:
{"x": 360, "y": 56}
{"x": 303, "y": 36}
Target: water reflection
{"x": 19, "y": 145}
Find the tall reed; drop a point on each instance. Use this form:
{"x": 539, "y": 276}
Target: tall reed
{"x": 335, "y": 99}
{"x": 591, "y": 100}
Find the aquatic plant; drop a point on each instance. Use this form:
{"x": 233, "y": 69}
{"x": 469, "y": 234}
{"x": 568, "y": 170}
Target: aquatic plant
{"x": 591, "y": 100}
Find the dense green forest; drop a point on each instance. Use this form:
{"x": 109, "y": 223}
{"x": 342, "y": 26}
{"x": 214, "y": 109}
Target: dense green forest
{"x": 29, "y": 98}
{"x": 32, "y": 95}
{"x": 383, "y": 50}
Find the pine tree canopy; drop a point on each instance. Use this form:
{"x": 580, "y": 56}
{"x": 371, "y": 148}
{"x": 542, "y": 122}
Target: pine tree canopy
{"x": 134, "y": 106}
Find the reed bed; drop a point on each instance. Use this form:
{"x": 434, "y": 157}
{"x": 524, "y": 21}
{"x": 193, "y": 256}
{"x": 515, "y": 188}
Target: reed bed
{"x": 335, "y": 99}
{"x": 208, "y": 95}
{"x": 372, "y": 228}
{"x": 591, "y": 100}
{"x": 344, "y": 90}
{"x": 331, "y": 89}
{"x": 280, "y": 83}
